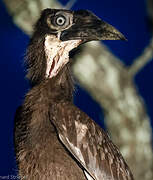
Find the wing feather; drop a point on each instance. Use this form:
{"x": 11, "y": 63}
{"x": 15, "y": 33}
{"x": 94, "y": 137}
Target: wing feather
{"x": 89, "y": 144}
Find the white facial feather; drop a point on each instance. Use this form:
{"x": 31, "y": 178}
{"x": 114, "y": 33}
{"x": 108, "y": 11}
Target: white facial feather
{"x": 57, "y": 53}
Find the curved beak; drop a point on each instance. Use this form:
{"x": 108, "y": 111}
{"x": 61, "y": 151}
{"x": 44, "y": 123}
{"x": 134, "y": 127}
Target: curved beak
{"x": 88, "y": 27}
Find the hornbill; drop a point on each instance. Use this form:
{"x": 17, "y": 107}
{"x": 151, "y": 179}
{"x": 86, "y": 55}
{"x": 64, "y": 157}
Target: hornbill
{"x": 54, "y": 140}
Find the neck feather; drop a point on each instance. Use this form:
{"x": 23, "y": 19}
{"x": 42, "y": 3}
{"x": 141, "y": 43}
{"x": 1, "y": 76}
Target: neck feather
{"x": 35, "y": 60}
{"x": 38, "y": 56}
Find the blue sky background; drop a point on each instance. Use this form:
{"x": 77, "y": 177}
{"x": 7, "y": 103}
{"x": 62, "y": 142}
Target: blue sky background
{"x": 129, "y": 17}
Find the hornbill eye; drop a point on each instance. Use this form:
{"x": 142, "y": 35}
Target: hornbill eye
{"x": 60, "y": 20}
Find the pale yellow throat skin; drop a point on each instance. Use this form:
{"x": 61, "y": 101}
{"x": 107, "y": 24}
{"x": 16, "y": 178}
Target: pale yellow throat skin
{"x": 57, "y": 53}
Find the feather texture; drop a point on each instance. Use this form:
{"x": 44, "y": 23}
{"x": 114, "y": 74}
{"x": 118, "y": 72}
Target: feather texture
{"x": 89, "y": 144}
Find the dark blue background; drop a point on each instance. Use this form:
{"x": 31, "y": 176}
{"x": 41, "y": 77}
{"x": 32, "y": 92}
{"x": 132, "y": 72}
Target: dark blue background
{"x": 129, "y": 17}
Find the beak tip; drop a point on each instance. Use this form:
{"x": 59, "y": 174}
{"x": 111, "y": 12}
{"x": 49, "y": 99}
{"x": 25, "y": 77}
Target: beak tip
{"x": 123, "y": 38}
{"x": 113, "y": 33}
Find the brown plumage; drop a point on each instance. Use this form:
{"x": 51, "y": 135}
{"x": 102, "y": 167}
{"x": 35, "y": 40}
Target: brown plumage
{"x": 54, "y": 140}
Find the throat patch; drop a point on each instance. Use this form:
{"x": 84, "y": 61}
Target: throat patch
{"x": 57, "y": 54}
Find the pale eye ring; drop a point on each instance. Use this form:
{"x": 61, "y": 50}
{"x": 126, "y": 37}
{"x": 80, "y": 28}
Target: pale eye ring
{"x": 60, "y": 20}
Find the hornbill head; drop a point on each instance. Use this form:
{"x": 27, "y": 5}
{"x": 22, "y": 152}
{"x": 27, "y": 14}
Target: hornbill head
{"x": 64, "y": 30}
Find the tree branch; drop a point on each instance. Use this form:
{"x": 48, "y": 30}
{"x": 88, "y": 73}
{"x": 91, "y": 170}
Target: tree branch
{"x": 70, "y": 4}
{"x": 142, "y": 60}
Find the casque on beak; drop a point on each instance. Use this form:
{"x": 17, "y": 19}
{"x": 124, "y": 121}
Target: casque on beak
{"x": 88, "y": 27}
